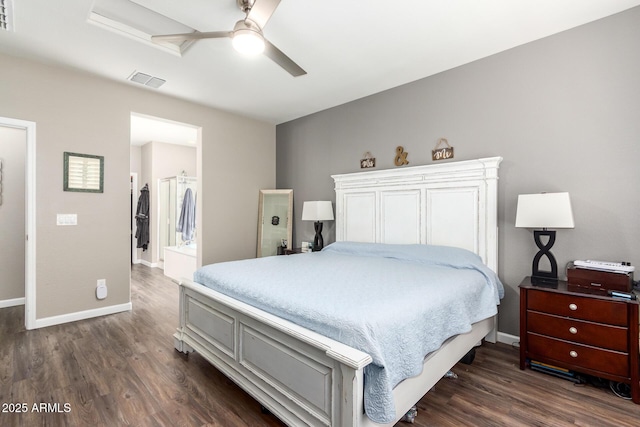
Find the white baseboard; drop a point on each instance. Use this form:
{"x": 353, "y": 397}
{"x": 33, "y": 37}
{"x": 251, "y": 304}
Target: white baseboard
{"x": 81, "y": 315}
{"x": 507, "y": 338}
{"x": 148, "y": 264}
{"x": 11, "y": 302}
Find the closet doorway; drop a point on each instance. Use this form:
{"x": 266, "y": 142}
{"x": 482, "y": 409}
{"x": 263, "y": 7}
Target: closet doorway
{"x": 17, "y": 201}
{"x": 164, "y": 158}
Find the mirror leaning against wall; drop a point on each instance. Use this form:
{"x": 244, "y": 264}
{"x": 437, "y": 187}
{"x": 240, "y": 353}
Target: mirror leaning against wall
{"x": 275, "y": 222}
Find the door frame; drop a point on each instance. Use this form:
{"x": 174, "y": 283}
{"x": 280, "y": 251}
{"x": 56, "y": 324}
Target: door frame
{"x": 134, "y": 195}
{"x": 30, "y": 209}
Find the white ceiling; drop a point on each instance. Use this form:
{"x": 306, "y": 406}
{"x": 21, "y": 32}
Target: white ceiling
{"x": 350, "y": 49}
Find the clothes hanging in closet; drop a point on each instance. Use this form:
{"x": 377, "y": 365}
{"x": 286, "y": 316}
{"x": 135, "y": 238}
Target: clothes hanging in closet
{"x": 187, "y": 221}
{"x": 142, "y": 219}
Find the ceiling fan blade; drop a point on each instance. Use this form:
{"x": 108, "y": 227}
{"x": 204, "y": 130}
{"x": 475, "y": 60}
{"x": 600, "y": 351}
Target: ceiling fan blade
{"x": 277, "y": 56}
{"x": 262, "y": 10}
{"x": 191, "y": 36}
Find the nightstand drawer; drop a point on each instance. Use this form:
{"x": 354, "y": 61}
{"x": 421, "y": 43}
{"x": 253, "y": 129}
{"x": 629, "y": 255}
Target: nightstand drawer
{"x": 580, "y": 331}
{"x": 578, "y": 355}
{"x": 586, "y": 308}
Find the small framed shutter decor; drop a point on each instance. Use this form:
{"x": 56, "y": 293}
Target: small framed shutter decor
{"x": 83, "y": 173}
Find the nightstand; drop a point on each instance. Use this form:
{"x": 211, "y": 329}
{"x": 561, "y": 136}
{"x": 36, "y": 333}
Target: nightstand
{"x": 570, "y": 328}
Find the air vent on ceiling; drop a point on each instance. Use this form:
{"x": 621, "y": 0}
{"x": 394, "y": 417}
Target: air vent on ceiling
{"x": 146, "y": 79}
{"x": 6, "y": 15}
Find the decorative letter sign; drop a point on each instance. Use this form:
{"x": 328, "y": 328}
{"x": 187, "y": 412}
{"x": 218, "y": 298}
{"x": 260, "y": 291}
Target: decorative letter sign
{"x": 443, "y": 153}
{"x": 401, "y": 156}
{"x": 368, "y": 161}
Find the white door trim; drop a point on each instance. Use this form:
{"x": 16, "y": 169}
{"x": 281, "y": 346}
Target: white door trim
{"x": 134, "y": 249}
{"x": 30, "y": 209}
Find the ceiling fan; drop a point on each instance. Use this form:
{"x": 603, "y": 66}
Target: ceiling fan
{"x": 246, "y": 35}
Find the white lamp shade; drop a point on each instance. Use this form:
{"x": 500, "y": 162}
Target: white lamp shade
{"x": 317, "y": 211}
{"x": 544, "y": 210}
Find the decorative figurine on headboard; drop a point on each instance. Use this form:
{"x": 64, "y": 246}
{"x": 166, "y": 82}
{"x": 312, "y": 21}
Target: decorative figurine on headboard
{"x": 442, "y": 153}
{"x": 368, "y": 162}
{"x": 401, "y": 156}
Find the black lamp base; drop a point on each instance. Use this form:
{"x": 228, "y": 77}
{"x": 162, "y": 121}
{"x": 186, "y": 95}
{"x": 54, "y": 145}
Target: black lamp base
{"x": 541, "y": 276}
{"x": 318, "y": 242}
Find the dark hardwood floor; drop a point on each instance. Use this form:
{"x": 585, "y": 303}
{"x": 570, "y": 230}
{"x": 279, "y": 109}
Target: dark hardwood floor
{"x": 123, "y": 370}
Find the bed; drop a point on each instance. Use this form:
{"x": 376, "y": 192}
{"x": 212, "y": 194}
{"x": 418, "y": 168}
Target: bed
{"x": 308, "y": 378}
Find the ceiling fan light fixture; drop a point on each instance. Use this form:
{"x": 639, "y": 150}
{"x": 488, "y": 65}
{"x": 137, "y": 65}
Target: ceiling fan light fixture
{"x": 246, "y": 36}
{"x": 246, "y": 39}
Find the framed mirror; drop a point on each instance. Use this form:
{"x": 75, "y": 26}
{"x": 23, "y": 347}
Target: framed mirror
{"x": 275, "y": 221}
{"x": 83, "y": 172}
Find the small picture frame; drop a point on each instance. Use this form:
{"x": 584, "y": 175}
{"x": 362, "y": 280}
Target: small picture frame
{"x": 83, "y": 173}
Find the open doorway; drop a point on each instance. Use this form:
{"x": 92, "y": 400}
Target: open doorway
{"x": 163, "y": 151}
{"x": 17, "y": 191}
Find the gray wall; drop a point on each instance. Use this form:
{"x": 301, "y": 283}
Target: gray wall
{"x": 78, "y": 112}
{"x": 13, "y": 146}
{"x": 564, "y": 112}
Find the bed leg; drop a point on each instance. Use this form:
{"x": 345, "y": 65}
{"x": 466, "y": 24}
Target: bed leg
{"x": 264, "y": 410}
{"x": 468, "y": 358}
{"x": 410, "y": 417}
{"x": 180, "y": 345}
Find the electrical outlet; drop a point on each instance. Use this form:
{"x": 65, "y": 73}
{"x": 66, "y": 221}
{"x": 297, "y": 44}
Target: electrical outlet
{"x": 101, "y": 289}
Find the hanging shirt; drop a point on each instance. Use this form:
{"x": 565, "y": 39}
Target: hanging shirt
{"x": 187, "y": 221}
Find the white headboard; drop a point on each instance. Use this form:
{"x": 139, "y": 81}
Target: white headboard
{"x": 452, "y": 204}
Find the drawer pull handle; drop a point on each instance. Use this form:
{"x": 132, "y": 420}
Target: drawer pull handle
{"x": 573, "y": 330}
{"x": 573, "y": 307}
{"x": 573, "y": 353}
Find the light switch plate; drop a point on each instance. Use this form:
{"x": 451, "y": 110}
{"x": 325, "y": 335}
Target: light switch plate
{"x": 66, "y": 219}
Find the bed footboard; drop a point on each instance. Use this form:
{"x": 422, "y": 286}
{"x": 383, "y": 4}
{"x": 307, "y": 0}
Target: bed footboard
{"x": 301, "y": 377}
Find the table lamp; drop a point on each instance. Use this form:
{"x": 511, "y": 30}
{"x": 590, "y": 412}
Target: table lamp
{"x": 318, "y": 212}
{"x": 545, "y": 211}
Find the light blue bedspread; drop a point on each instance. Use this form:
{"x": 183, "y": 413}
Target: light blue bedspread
{"x": 396, "y": 303}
